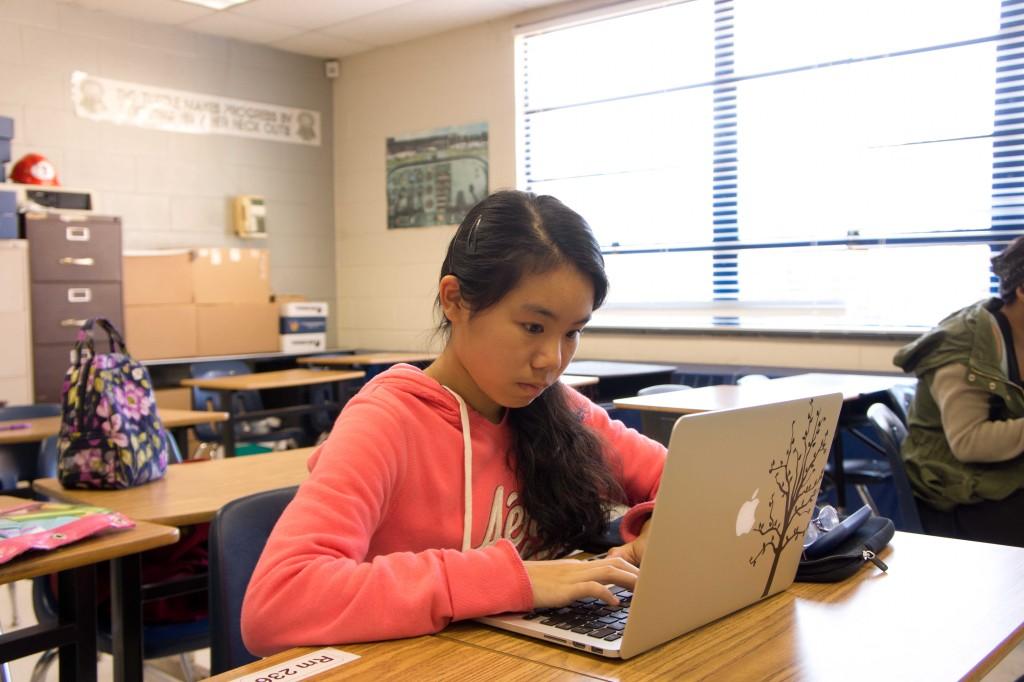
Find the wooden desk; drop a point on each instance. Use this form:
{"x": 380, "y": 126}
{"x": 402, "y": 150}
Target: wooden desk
{"x": 605, "y": 369}
{"x": 578, "y": 381}
{"x": 946, "y": 610}
{"x": 618, "y": 379}
{"x": 421, "y": 658}
{"x": 360, "y": 359}
{"x": 726, "y": 397}
{"x": 75, "y": 564}
{"x": 192, "y": 492}
{"x": 189, "y": 493}
{"x": 42, "y": 428}
{"x": 259, "y": 381}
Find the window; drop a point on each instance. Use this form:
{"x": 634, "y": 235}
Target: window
{"x": 783, "y": 164}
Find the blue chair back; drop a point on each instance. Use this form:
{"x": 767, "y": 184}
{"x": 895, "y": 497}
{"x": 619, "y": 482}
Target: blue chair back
{"x": 26, "y": 461}
{"x": 658, "y": 425}
{"x": 891, "y": 432}
{"x": 238, "y": 535}
{"x": 203, "y": 399}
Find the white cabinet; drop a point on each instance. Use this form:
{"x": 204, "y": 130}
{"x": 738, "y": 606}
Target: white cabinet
{"x": 15, "y": 324}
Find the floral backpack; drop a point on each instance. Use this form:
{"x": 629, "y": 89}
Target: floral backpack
{"x": 110, "y": 434}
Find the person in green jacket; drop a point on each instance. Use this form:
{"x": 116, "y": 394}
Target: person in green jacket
{"x": 966, "y": 423}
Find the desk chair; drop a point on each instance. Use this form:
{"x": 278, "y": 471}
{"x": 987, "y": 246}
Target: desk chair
{"x": 891, "y": 432}
{"x": 23, "y": 461}
{"x": 658, "y": 425}
{"x": 902, "y": 395}
{"x": 245, "y": 401}
{"x": 158, "y": 639}
{"x": 238, "y": 535}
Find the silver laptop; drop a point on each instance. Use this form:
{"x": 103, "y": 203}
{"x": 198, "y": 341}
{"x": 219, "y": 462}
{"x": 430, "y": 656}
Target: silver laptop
{"x": 736, "y": 496}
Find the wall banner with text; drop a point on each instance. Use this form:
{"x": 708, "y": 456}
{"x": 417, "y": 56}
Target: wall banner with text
{"x": 146, "y": 106}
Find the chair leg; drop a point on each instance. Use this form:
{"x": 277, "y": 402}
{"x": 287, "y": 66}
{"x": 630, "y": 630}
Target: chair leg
{"x": 14, "y": 604}
{"x": 43, "y": 664}
{"x": 865, "y": 496}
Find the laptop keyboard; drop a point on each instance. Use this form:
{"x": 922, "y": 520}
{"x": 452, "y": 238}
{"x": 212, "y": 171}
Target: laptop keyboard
{"x": 589, "y": 616}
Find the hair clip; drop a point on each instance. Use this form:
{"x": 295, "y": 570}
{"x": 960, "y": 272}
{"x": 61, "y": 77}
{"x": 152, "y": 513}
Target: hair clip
{"x": 471, "y": 237}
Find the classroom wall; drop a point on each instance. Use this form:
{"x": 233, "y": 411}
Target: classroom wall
{"x": 172, "y": 189}
{"x": 387, "y": 278}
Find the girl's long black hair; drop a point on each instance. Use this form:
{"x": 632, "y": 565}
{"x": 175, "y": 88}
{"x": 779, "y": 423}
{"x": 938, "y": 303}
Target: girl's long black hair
{"x": 566, "y": 485}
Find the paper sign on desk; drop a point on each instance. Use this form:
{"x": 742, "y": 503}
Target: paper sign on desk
{"x": 301, "y": 667}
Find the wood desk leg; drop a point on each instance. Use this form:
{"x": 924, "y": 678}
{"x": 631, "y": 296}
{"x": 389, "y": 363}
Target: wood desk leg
{"x": 76, "y": 590}
{"x": 126, "y": 617}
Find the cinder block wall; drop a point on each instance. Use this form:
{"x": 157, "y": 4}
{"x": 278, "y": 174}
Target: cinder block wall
{"x": 173, "y": 189}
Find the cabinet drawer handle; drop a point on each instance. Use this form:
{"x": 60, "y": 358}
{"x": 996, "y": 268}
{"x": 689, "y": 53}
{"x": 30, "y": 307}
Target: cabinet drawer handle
{"x": 68, "y": 260}
{"x": 72, "y": 323}
{"x": 79, "y": 295}
{"x": 76, "y": 233}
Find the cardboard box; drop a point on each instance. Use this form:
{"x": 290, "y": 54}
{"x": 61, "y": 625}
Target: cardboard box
{"x": 304, "y": 309}
{"x": 235, "y": 328}
{"x": 152, "y": 277}
{"x": 8, "y": 225}
{"x": 177, "y": 398}
{"x": 303, "y": 325}
{"x": 231, "y": 276}
{"x": 8, "y": 201}
{"x": 153, "y": 332}
{"x": 303, "y": 343}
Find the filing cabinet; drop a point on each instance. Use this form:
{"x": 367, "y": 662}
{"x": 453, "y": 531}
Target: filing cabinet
{"x": 75, "y": 270}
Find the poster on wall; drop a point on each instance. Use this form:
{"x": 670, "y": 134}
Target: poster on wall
{"x": 180, "y": 111}
{"x": 434, "y": 177}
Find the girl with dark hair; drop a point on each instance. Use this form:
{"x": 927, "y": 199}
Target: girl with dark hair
{"x": 964, "y": 448}
{"x": 448, "y": 493}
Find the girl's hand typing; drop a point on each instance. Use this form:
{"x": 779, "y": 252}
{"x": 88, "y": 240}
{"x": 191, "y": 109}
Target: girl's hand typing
{"x": 557, "y": 583}
{"x": 633, "y": 552}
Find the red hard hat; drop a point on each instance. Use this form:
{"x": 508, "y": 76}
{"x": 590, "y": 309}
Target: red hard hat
{"x": 34, "y": 169}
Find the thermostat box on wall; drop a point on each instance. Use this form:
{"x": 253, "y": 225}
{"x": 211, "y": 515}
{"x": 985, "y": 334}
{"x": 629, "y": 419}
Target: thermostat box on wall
{"x": 303, "y": 343}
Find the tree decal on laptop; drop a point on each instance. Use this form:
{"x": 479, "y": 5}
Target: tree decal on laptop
{"x": 797, "y": 479}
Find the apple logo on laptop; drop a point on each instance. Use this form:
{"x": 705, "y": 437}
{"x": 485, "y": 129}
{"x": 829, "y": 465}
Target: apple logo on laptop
{"x": 745, "y": 517}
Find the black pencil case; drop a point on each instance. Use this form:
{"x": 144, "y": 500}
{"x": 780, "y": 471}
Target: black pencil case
{"x": 860, "y": 548}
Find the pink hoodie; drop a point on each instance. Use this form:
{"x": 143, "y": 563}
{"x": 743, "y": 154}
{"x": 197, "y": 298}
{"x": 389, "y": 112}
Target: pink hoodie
{"x": 410, "y": 520}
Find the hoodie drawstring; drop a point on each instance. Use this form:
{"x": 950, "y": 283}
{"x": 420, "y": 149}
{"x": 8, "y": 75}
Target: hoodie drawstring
{"x": 467, "y": 468}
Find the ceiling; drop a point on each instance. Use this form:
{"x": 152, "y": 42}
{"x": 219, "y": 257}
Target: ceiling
{"x": 319, "y": 28}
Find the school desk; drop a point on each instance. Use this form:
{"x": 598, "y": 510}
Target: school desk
{"x": 419, "y": 658}
{"x": 619, "y": 379}
{"x": 366, "y": 359}
{"x": 176, "y": 421}
{"x": 229, "y": 385}
{"x": 946, "y": 610}
{"x": 192, "y": 492}
{"x": 579, "y": 381}
{"x": 75, "y": 564}
{"x": 854, "y": 388}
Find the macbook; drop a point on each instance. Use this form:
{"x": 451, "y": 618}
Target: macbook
{"x": 735, "y": 500}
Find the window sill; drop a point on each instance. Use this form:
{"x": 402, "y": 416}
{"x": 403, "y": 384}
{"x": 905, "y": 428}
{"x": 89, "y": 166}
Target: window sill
{"x": 756, "y": 323}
